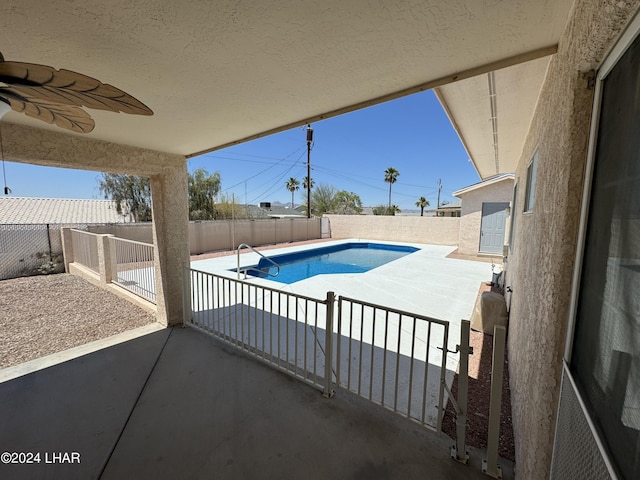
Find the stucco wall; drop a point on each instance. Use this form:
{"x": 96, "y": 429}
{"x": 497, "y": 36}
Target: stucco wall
{"x": 469, "y": 242}
{"x": 209, "y": 236}
{"x": 543, "y": 251}
{"x": 168, "y": 176}
{"x": 433, "y": 230}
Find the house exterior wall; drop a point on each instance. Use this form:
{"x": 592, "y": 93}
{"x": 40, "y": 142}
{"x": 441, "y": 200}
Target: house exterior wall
{"x": 544, "y": 243}
{"x": 471, "y": 219}
{"x": 434, "y": 230}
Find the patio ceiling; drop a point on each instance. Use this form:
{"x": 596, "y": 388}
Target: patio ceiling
{"x": 218, "y": 73}
{"x": 492, "y": 113}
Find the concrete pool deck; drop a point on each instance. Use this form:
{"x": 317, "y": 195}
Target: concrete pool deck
{"x": 425, "y": 282}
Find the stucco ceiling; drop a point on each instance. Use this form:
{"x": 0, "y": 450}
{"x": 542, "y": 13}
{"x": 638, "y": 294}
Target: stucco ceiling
{"x": 220, "y": 72}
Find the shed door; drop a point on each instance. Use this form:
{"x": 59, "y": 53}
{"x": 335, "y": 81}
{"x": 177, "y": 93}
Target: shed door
{"x": 494, "y": 219}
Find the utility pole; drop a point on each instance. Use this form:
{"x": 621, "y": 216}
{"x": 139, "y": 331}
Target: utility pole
{"x": 309, "y": 141}
{"x": 439, "y": 188}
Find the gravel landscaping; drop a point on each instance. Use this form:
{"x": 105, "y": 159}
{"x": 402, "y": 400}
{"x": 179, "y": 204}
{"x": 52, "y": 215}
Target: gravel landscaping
{"x": 479, "y": 397}
{"x": 51, "y": 313}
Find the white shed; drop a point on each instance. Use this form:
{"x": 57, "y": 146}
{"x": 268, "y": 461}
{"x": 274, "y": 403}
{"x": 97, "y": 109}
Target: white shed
{"x": 483, "y": 223}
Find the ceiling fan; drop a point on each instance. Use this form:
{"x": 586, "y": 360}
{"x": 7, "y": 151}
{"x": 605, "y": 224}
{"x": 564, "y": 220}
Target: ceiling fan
{"x": 56, "y": 96}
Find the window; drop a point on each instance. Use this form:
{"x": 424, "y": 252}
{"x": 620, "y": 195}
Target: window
{"x": 512, "y": 227}
{"x": 531, "y": 183}
{"x": 606, "y": 345}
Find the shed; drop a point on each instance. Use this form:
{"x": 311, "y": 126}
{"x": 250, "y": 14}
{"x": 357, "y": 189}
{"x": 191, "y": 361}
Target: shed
{"x": 483, "y": 223}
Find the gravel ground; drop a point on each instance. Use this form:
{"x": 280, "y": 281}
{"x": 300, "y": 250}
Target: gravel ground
{"x": 51, "y": 313}
{"x": 479, "y": 397}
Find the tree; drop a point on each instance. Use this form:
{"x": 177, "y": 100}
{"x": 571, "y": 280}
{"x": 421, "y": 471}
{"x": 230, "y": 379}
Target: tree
{"x": 347, "y": 203}
{"x": 385, "y": 210}
{"x": 227, "y": 209}
{"x": 422, "y": 202}
{"x": 292, "y": 185}
{"x": 203, "y": 190}
{"x": 131, "y": 194}
{"x": 304, "y": 183}
{"x": 380, "y": 210}
{"x": 390, "y": 176}
{"x": 323, "y": 199}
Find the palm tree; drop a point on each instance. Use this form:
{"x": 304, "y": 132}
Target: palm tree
{"x": 304, "y": 183}
{"x": 292, "y": 185}
{"x": 422, "y": 202}
{"x": 390, "y": 176}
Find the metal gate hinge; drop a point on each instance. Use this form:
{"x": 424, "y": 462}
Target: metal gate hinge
{"x": 457, "y": 350}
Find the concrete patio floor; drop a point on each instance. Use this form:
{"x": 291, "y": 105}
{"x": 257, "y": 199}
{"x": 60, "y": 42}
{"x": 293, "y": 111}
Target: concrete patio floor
{"x": 176, "y": 404}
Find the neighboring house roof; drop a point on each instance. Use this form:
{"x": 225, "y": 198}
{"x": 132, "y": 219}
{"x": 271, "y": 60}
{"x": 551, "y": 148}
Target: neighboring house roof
{"x": 490, "y": 181}
{"x": 275, "y": 211}
{"x": 19, "y": 210}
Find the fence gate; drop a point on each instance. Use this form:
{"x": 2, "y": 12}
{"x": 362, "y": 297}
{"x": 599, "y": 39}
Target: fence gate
{"x": 396, "y": 359}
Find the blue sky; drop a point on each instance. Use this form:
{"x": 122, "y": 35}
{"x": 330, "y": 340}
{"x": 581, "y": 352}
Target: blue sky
{"x": 350, "y": 152}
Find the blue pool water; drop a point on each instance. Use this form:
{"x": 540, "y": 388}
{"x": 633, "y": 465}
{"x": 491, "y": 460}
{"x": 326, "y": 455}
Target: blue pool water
{"x": 353, "y": 257}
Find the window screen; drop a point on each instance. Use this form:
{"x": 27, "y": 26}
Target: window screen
{"x": 606, "y": 349}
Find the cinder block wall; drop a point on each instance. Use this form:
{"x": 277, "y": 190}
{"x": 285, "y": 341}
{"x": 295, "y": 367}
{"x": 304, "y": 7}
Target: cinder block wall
{"x": 433, "y": 230}
{"x": 209, "y": 236}
{"x": 471, "y": 216}
{"x": 544, "y": 246}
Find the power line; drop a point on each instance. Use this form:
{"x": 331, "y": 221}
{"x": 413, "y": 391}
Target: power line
{"x": 357, "y": 180}
{"x": 278, "y": 180}
{"x": 266, "y": 169}
{"x": 215, "y": 155}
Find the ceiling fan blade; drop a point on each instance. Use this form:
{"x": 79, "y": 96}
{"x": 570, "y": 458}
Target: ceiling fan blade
{"x": 64, "y": 116}
{"x": 66, "y": 87}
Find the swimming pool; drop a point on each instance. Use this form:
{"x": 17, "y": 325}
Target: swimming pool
{"x": 352, "y": 257}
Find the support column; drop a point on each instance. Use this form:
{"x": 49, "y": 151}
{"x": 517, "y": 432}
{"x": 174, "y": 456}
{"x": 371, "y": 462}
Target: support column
{"x": 169, "y": 194}
{"x": 104, "y": 259}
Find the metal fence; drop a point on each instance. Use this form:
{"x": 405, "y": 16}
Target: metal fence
{"x": 85, "y": 249}
{"x": 33, "y": 249}
{"x": 393, "y": 358}
{"x": 285, "y": 330}
{"x": 132, "y": 267}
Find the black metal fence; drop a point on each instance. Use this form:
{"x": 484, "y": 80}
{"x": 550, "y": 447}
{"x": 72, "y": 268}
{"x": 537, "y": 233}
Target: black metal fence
{"x": 35, "y": 249}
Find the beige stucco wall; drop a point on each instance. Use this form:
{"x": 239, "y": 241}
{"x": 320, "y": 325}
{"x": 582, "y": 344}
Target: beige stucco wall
{"x": 543, "y": 250}
{"x": 433, "y": 230}
{"x": 209, "y": 236}
{"x": 168, "y": 176}
{"x": 471, "y": 216}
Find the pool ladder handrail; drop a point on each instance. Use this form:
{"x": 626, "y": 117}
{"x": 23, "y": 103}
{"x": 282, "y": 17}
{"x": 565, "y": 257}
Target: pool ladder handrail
{"x": 245, "y": 245}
